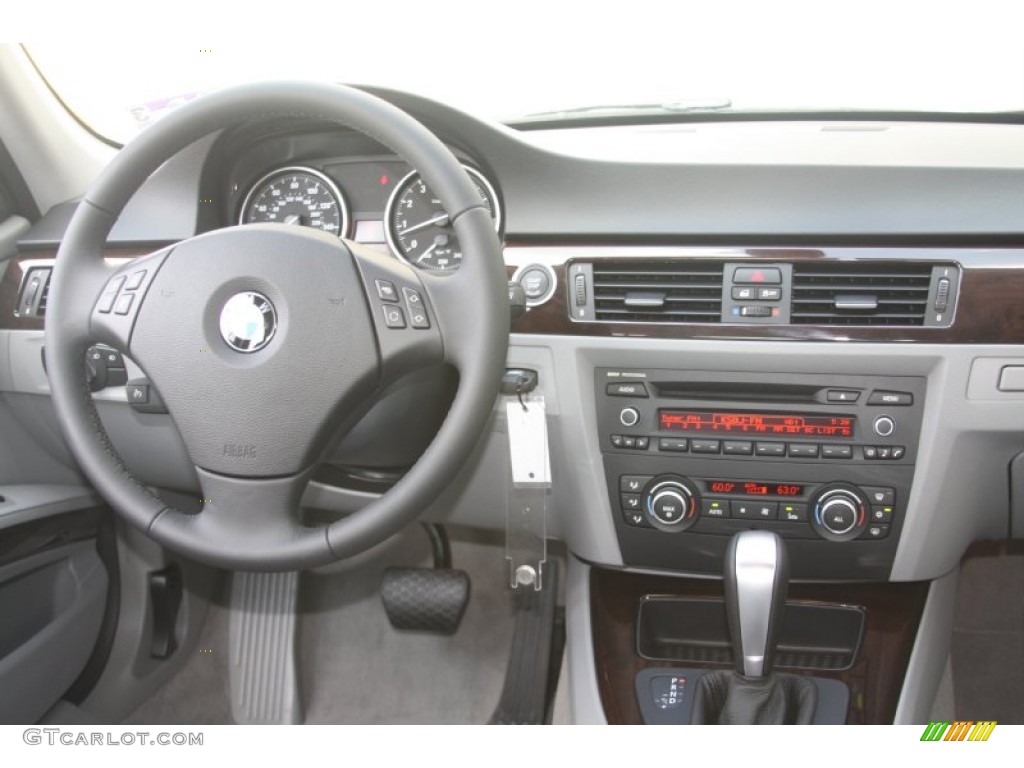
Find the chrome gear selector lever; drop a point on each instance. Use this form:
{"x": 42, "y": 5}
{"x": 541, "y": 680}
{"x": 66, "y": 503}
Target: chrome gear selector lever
{"x": 756, "y": 579}
{"x": 756, "y": 576}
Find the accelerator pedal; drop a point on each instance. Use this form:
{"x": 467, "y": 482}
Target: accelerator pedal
{"x": 427, "y": 599}
{"x": 264, "y": 668}
{"x": 535, "y": 659}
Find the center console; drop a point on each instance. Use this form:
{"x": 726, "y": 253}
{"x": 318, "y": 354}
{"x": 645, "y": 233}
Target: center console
{"x": 693, "y": 457}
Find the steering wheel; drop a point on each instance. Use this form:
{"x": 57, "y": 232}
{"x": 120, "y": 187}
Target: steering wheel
{"x": 266, "y": 340}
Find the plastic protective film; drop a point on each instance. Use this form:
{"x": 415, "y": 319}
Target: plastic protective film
{"x": 529, "y": 485}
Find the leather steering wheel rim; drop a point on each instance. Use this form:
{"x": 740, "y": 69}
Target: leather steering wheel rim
{"x": 250, "y": 518}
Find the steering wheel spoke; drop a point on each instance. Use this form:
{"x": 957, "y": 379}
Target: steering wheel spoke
{"x": 120, "y": 300}
{"x": 247, "y": 523}
{"x": 404, "y": 316}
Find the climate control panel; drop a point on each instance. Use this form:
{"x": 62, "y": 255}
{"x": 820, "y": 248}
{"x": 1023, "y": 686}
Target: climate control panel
{"x": 834, "y": 511}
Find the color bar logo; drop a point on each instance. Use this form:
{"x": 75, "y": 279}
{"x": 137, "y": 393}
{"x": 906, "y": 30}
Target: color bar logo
{"x": 961, "y": 730}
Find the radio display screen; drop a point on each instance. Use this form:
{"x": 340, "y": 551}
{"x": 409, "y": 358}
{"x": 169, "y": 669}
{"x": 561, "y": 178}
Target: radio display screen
{"x": 751, "y": 488}
{"x": 731, "y": 423}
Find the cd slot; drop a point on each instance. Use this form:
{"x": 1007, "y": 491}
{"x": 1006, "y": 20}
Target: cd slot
{"x": 735, "y": 391}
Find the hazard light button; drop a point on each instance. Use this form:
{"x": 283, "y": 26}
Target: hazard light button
{"x": 758, "y": 275}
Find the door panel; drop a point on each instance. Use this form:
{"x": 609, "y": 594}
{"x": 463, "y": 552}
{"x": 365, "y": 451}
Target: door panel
{"x": 52, "y": 604}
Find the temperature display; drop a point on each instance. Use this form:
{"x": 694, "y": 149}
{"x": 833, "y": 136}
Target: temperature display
{"x": 760, "y": 424}
{"x": 749, "y": 488}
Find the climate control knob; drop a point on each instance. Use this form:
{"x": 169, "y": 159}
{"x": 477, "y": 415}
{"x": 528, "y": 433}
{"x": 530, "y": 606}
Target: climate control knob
{"x": 670, "y": 503}
{"x": 840, "y": 512}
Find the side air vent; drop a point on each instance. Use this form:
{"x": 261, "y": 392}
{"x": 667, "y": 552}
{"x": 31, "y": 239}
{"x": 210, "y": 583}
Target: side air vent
{"x": 861, "y": 293}
{"x": 664, "y": 291}
{"x": 35, "y": 291}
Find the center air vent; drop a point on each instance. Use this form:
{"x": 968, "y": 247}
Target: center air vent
{"x": 862, "y": 293}
{"x": 664, "y": 291}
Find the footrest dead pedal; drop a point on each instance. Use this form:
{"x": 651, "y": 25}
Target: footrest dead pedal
{"x": 425, "y": 599}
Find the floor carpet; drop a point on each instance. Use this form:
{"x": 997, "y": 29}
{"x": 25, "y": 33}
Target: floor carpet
{"x": 354, "y": 667}
{"x": 988, "y": 635}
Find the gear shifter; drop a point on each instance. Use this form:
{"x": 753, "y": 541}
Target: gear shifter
{"x": 756, "y": 578}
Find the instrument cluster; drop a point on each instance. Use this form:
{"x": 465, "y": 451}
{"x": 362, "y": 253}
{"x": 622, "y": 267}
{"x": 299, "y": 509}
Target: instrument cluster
{"x": 373, "y": 201}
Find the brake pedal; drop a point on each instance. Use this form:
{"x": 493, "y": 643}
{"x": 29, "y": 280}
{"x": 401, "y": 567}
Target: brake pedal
{"x": 427, "y": 599}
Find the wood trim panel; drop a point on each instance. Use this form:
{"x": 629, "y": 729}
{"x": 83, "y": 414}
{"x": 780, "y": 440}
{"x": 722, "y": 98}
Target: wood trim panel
{"x": 893, "y": 613}
{"x": 989, "y": 311}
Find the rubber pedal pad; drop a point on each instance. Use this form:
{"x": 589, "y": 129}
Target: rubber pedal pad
{"x": 425, "y": 599}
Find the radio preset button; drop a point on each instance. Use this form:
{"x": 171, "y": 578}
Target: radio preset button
{"x": 705, "y": 446}
{"x": 673, "y": 444}
{"x": 803, "y": 450}
{"x": 737, "y": 447}
{"x": 836, "y": 452}
{"x": 771, "y": 449}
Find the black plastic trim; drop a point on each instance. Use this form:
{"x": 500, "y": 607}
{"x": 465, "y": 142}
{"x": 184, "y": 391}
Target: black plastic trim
{"x": 17, "y": 188}
{"x": 762, "y": 116}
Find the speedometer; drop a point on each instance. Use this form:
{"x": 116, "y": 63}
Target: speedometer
{"x": 298, "y": 196}
{"x": 419, "y": 230}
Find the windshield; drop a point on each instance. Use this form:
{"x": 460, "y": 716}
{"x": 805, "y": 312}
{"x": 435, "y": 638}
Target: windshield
{"x": 735, "y": 59}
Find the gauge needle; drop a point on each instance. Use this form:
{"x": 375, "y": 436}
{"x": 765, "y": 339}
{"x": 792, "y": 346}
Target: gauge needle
{"x": 440, "y": 220}
{"x": 427, "y": 252}
{"x": 292, "y": 219}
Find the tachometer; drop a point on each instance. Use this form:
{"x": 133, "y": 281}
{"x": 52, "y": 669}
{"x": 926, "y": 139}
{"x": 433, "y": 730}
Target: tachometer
{"x": 418, "y": 228}
{"x": 299, "y": 196}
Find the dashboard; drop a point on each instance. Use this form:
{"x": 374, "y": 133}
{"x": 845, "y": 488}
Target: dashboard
{"x": 822, "y": 318}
